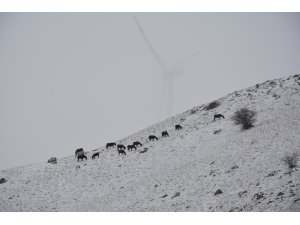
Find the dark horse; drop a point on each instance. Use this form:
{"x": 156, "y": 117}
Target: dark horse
{"x": 178, "y": 127}
{"x": 81, "y": 157}
{"x": 136, "y": 143}
{"x": 130, "y": 147}
{"x": 95, "y": 154}
{"x": 152, "y": 138}
{"x": 218, "y": 116}
{"x": 121, "y": 152}
{"x": 164, "y": 134}
{"x": 109, "y": 145}
{"x": 120, "y": 147}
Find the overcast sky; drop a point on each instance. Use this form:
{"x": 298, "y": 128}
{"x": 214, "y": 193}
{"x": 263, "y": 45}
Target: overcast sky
{"x": 70, "y": 80}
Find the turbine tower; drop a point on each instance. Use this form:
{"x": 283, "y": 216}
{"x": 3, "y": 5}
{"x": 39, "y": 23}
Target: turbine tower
{"x": 168, "y": 75}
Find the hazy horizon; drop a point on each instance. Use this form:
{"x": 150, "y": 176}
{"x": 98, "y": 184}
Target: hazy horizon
{"x": 71, "y": 80}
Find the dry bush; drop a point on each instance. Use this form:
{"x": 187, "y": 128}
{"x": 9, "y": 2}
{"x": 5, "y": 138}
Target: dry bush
{"x": 291, "y": 160}
{"x": 212, "y": 105}
{"x": 244, "y": 117}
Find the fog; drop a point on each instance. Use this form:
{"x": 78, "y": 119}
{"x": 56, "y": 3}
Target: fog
{"x": 70, "y": 80}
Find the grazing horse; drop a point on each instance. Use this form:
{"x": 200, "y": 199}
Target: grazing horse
{"x": 94, "y": 155}
{"x": 130, "y": 147}
{"x": 136, "y": 143}
{"x": 109, "y": 145}
{"x": 178, "y": 127}
{"x": 81, "y": 157}
{"x": 120, "y": 147}
{"x": 219, "y": 116}
{"x": 121, "y": 152}
{"x": 164, "y": 134}
{"x": 152, "y": 138}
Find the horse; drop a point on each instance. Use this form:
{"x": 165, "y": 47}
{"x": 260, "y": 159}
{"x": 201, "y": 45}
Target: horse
{"x": 120, "y": 147}
{"x": 152, "y": 138}
{"x": 218, "y": 116}
{"x": 121, "y": 152}
{"x": 178, "y": 127}
{"x": 136, "y": 143}
{"x": 130, "y": 147}
{"x": 112, "y": 144}
{"x": 94, "y": 155}
{"x": 81, "y": 157}
{"x": 164, "y": 134}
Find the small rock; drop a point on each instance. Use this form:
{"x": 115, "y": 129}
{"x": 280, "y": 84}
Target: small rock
{"x": 2, "y": 180}
{"x": 193, "y": 111}
{"x": 176, "y": 195}
{"x": 272, "y": 174}
{"x": 187, "y": 207}
{"x": 143, "y": 151}
{"x": 156, "y": 185}
{"x": 164, "y": 196}
{"x": 218, "y": 192}
{"x": 259, "y": 195}
{"x": 52, "y": 160}
{"x": 242, "y": 193}
{"x": 217, "y": 131}
{"x": 296, "y": 200}
{"x": 280, "y": 193}
{"x": 234, "y": 167}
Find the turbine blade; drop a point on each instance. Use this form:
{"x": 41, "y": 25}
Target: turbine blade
{"x": 170, "y": 96}
{"x": 185, "y": 60}
{"x": 163, "y": 99}
{"x": 150, "y": 46}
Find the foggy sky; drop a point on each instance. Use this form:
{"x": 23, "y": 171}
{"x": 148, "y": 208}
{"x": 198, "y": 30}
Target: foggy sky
{"x": 70, "y": 80}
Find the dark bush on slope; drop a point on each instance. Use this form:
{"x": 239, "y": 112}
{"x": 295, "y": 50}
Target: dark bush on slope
{"x": 212, "y": 105}
{"x": 291, "y": 160}
{"x": 244, "y": 117}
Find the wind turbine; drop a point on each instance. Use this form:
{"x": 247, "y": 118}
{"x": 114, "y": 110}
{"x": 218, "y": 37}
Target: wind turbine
{"x": 168, "y": 75}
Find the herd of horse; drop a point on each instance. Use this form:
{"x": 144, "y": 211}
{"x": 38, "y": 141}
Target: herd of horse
{"x": 121, "y": 148}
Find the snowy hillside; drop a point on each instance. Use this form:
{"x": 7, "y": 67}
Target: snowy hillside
{"x": 181, "y": 172}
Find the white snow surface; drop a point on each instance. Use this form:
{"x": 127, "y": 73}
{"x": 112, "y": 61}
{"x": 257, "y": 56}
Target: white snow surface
{"x": 181, "y": 172}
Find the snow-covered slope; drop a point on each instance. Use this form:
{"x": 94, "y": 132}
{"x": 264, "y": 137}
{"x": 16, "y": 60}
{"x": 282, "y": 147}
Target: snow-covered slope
{"x": 181, "y": 172}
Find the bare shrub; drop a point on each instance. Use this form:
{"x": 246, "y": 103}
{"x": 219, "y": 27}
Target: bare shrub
{"x": 212, "y": 105}
{"x": 245, "y": 117}
{"x": 291, "y": 160}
